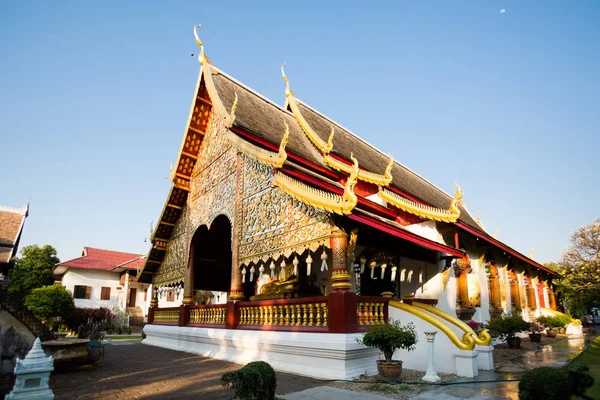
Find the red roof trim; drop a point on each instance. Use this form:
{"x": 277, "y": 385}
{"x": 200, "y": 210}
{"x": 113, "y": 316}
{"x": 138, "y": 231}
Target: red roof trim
{"x": 411, "y": 237}
{"x": 502, "y": 246}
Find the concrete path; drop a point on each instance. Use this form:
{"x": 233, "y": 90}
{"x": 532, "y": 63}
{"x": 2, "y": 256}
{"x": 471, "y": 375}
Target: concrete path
{"x": 330, "y": 393}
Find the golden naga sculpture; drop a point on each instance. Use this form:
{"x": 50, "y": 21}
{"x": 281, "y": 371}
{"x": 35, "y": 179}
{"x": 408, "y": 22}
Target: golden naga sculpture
{"x": 484, "y": 338}
{"x": 228, "y": 117}
{"x": 423, "y": 211}
{"x": 366, "y": 176}
{"x": 467, "y": 342}
{"x": 318, "y": 198}
{"x": 312, "y": 135}
{"x": 271, "y": 158}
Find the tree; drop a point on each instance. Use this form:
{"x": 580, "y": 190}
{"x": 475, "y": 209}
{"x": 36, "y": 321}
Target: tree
{"x": 32, "y": 270}
{"x": 49, "y": 303}
{"x": 580, "y": 268}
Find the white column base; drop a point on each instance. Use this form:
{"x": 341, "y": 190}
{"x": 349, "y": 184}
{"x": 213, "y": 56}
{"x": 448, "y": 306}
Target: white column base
{"x": 431, "y": 376}
{"x": 485, "y": 358}
{"x": 576, "y": 331}
{"x": 466, "y": 363}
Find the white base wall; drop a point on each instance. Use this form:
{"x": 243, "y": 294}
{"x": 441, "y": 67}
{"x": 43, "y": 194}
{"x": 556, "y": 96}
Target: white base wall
{"x": 319, "y": 355}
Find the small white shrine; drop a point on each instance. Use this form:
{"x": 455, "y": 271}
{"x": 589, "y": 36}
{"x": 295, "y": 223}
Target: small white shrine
{"x": 33, "y": 373}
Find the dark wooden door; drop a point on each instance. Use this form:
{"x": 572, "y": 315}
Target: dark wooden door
{"x": 132, "y": 295}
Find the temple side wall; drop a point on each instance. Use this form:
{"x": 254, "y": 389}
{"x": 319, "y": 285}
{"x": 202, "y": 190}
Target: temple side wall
{"x": 15, "y": 341}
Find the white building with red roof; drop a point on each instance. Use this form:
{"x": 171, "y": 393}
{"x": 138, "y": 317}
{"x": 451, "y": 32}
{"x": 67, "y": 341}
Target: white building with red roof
{"x": 105, "y": 278}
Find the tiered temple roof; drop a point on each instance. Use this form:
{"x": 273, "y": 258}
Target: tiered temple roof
{"x": 322, "y": 162}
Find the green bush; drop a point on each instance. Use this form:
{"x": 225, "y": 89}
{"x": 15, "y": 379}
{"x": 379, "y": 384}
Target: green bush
{"x": 547, "y": 383}
{"x": 389, "y": 337}
{"x": 255, "y": 381}
{"x": 50, "y": 304}
{"x": 507, "y": 326}
{"x": 556, "y": 321}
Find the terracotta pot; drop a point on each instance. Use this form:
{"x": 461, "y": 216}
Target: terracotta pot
{"x": 389, "y": 369}
{"x": 514, "y": 342}
{"x": 551, "y": 332}
{"x": 535, "y": 337}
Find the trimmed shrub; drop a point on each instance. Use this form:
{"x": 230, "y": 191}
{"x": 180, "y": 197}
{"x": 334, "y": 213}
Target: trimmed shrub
{"x": 50, "y": 304}
{"x": 255, "y": 381}
{"x": 555, "y": 322}
{"x": 547, "y": 383}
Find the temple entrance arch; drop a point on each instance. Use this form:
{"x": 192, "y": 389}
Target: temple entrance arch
{"x": 210, "y": 256}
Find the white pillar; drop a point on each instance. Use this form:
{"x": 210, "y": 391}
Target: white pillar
{"x": 430, "y": 374}
{"x": 126, "y": 290}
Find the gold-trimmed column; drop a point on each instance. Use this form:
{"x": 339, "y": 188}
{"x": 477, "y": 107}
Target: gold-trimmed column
{"x": 495, "y": 302}
{"x": 236, "y": 291}
{"x": 515, "y": 297}
{"x": 340, "y": 279}
{"x": 463, "y": 307}
{"x": 188, "y": 279}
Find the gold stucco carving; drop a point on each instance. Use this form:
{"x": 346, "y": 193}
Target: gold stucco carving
{"x": 173, "y": 266}
{"x": 274, "y": 222}
{"x": 423, "y": 211}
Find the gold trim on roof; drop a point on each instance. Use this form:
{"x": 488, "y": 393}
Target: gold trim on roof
{"x": 363, "y": 175}
{"x": 228, "y": 117}
{"x": 312, "y": 135}
{"x": 262, "y": 155}
{"x": 330, "y": 202}
{"x": 428, "y": 212}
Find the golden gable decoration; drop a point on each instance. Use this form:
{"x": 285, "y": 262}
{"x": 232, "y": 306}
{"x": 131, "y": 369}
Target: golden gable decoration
{"x": 330, "y": 202}
{"x": 271, "y": 158}
{"x": 423, "y": 211}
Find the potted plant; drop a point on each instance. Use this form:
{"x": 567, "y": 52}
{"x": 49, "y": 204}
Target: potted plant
{"x": 536, "y": 329}
{"x": 476, "y": 326}
{"x": 506, "y": 326}
{"x": 552, "y": 323}
{"x": 388, "y": 338}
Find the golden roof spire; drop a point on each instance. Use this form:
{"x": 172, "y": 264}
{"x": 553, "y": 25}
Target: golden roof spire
{"x": 228, "y": 116}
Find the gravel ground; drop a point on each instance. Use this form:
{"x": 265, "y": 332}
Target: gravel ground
{"x": 502, "y": 353}
{"x": 374, "y": 384}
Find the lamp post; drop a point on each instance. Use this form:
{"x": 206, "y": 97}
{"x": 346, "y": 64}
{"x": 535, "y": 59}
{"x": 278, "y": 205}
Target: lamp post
{"x": 430, "y": 374}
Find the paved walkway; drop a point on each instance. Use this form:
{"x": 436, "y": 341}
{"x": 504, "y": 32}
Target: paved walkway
{"x": 132, "y": 370}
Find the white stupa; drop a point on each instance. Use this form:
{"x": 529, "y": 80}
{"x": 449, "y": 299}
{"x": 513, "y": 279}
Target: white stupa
{"x": 33, "y": 373}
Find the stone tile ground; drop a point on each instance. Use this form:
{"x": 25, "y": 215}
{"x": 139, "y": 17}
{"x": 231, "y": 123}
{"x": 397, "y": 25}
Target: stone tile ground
{"x": 136, "y": 371}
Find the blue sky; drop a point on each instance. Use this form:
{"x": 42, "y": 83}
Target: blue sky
{"x": 94, "y": 99}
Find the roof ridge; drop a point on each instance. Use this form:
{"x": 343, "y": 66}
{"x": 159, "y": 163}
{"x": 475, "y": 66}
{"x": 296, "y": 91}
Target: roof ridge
{"x": 372, "y": 146}
{"x": 14, "y": 210}
{"x": 263, "y": 97}
{"x": 113, "y": 251}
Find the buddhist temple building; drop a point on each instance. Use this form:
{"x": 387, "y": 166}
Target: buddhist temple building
{"x": 12, "y": 221}
{"x": 289, "y": 235}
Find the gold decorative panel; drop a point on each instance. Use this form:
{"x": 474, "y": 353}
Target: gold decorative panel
{"x": 274, "y": 222}
{"x": 173, "y": 266}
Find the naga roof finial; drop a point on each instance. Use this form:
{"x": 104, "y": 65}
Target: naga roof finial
{"x": 284, "y": 140}
{"x": 288, "y": 91}
{"x": 388, "y": 169}
{"x": 201, "y": 56}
